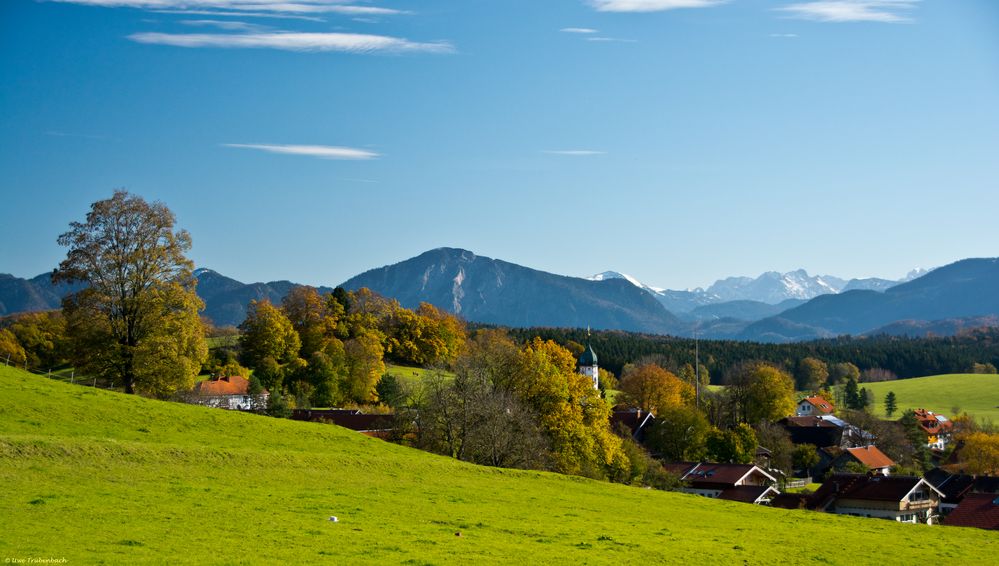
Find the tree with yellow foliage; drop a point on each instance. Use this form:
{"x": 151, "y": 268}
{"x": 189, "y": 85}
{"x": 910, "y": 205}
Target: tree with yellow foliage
{"x": 980, "y": 453}
{"x": 654, "y": 389}
{"x": 572, "y": 414}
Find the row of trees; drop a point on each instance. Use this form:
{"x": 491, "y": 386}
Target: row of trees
{"x": 330, "y": 350}
{"x": 877, "y": 357}
{"x": 520, "y": 405}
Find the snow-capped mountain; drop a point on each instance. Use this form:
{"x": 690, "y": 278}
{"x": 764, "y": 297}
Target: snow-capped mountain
{"x": 770, "y": 288}
{"x": 773, "y": 287}
{"x": 615, "y": 275}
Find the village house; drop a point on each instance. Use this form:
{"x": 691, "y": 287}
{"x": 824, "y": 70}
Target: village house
{"x": 230, "y": 392}
{"x": 736, "y": 482}
{"x": 980, "y": 510}
{"x": 378, "y": 426}
{"x": 868, "y": 456}
{"x": 938, "y": 428}
{"x": 634, "y": 420}
{"x": 813, "y": 406}
{"x": 906, "y": 499}
{"x": 955, "y": 487}
{"x": 824, "y": 431}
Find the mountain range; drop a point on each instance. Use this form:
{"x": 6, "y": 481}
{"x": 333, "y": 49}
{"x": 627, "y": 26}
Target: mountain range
{"x": 493, "y": 291}
{"x": 774, "y": 307}
{"x": 768, "y": 294}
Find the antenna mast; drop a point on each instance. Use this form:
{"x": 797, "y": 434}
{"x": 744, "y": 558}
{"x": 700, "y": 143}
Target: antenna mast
{"x": 697, "y": 372}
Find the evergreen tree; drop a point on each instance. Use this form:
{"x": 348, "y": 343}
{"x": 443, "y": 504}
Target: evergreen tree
{"x": 891, "y": 404}
{"x": 864, "y": 399}
{"x": 851, "y": 395}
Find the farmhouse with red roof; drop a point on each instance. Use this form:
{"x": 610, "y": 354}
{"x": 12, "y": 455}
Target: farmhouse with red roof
{"x": 231, "y": 392}
{"x": 868, "y": 456}
{"x": 938, "y": 428}
{"x": 816, "y": 405}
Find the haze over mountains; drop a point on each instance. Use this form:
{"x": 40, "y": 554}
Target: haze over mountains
{"x": 774, "y": 307}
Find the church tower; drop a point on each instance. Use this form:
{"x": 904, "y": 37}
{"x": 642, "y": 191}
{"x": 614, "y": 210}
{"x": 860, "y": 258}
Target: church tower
{"x": 588, "y": 365}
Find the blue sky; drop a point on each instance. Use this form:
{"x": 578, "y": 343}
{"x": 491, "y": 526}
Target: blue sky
{"x": 679, "y": 141}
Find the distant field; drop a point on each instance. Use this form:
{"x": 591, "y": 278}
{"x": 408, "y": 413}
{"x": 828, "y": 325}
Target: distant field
{"x": 412, "y": 374}
{"x": 220, "y": 341}
{"x": 94, "y": 476}
{"x": 977, "y": 394}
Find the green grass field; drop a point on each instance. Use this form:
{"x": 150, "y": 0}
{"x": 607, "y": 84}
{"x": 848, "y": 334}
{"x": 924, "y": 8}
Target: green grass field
{"x": 408, "y": 373}
{"x": 94, "y": 476}
{"x": 976, "y": 394}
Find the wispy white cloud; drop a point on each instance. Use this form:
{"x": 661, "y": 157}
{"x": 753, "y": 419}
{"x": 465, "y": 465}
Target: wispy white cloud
{"x": 578, "y": 30}
{"x": 320, "y": 151}
{"x": 241, "y": 14}
{"x": 229, "y": 25}
{"x": 650, "y": 5}
{"x": 346, "y": 7}
{"x": 574, "y": 152}
{"x": 886, "y": 11}
{"x": 784, "y": 35}
{"x": 292, "y": 41}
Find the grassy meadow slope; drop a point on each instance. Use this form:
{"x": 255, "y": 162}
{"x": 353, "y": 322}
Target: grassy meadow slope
{"x": 94, "y": 476}
{"x": 976, "y": 394}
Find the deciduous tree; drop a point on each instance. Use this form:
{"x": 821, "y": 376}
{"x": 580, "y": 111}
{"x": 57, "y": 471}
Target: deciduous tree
{"x": 11, "y": 351}
{"x": 679, "y": 434}
{"x": 571, "y": 412}
{"x": 811, "y": 374}
{"x": 736, "y": 445}
{"x": 138, "y": 315}
{"x": 980, "y": 453}
{"x": 766, "y": 393}
{"x": 43, "y": 336}
{"x": 654, "y": 389}
{"x": 267, "y": 333}
{"x": 842, "y": 372}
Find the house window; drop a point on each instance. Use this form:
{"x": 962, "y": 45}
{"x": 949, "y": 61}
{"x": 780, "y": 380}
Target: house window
{"x": 920, "y": 495}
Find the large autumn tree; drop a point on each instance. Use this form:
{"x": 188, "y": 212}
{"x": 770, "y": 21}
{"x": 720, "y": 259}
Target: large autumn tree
{"x": 655, "y": 389}
{"x": 136, "y": 320}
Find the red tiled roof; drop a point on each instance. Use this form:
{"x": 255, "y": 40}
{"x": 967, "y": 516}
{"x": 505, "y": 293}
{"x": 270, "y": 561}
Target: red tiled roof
{"x": 234, "y": 385}
{"x": 976, "y": 510}
{"x": 871, "y": 457}
{"x": 820, "y": 403}
{"x": 930, "y": 422}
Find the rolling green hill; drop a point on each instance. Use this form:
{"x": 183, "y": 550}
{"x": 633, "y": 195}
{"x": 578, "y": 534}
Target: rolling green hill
{"x": 976, "y": 394}
{"x": 95, "y": 476}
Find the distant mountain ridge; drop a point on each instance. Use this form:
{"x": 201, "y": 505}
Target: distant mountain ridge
{"x": 944, "y": 301}
{"x": 967, "y": 289}
{"x": 226, "y": 299}
{"x": 487, "y": 290}
{"x": 770, "y": 288}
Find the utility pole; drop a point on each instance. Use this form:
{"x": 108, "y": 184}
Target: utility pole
{"x": 697, "y": 373}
